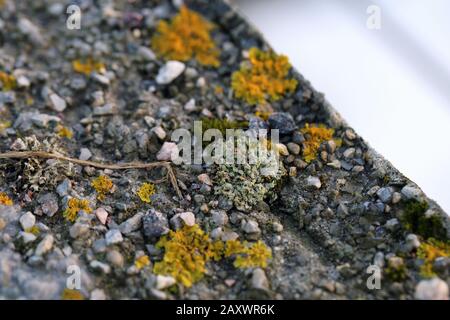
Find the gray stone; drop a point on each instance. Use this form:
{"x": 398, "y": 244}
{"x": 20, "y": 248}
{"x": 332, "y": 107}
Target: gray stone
{"x": 283, "y": 122}
{"x": 102, "y": 215}
{"x": 146, "y": 53}
{"x": 113, "y": 237}
{"x": 155, "y": 224}
{"x": 132, "y": 224}
{"x": 229, "y": 235}
{"x": 385, "y": 194}
{"x": 250, "y": 226}
{"x": 293, "y": 148}
{"x": 433, "y": 289}
{"x": 57, "y": 103}
{"x": 219, "y": 217}
{"x": 45, "y": 245}
{"x": 259, "y": 280}
{"x": 100, "y": 266}
{"x": 313, "y": 182}
{"x": 163, "y": 282}
{"x": 105, "y": 110}
{"x": 412, "y": 242}
{"x": 27, "y": 220}
{"x": 31, "y": 30}
{"x": 27, "y": 237}
{"x": 49, "y": 204}
{"x": 78, "y": 230}
{"x": 170, "y": 71}
{"x": 64, "y": 187}
{"x": 184, "y": 218}
{"x": 392, "y": 224}
{"x": 166, "y": 151}
{"x": 85, "y": 154}
{"x": 349, "y": 153}
{"x": 411, "y": 192}
{"x": 98, "y": 294}
{"x": 115, "y": 258}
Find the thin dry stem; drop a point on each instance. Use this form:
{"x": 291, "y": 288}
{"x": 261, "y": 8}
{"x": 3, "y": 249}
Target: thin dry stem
{"x": 119, "y": 166}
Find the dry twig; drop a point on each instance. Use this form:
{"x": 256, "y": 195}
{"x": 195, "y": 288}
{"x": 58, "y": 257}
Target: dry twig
{"x": 119, "y": 166}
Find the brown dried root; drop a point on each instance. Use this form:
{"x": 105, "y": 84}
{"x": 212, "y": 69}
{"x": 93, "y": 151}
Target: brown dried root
{"x": 119, "y": 166}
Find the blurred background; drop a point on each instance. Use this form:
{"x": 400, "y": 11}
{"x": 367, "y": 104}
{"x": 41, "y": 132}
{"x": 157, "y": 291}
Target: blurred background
{"x": 391, "y": 84}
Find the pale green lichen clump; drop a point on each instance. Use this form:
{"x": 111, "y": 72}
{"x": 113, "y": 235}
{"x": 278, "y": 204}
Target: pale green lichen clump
{"x": 248, "y": 184}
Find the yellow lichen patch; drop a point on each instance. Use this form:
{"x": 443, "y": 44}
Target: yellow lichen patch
{"x": 429, "y": 251}
{"x": 5, "y": 118}
{"x": 103, "y": 185}
{"x": 34, "y": 230}
{"x": 146, "y": 191}
{"x": 5, "y": 200}
{"x": 8, "y": 81}
{"x": 72, "y": 294}
{"x": 75, "y": 205}
{"x": 64, "y": 132}
{"x": 314, "y": 137}
{"x": 264, "y": 78}
{"x": 263, "y": 111}
{"x": 253, "y": 256}
{"x": 142, "y": 262}
{"x": 88, "y": 66}
{"x": 186, "y": 254}
{"x": 233, "y": 247}
{"x": 186, "y": 36}
{"x": 4, "y": 124}
{"x": 218, "y": 90}
{"x": 188, "y": 249}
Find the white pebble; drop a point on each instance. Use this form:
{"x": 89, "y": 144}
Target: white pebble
{"x": 169, "y": 72}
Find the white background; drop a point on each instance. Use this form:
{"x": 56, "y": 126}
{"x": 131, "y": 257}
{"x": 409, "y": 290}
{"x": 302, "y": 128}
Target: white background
{"x": 392, "y": 85}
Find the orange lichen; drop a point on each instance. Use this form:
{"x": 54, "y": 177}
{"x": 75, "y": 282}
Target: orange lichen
{"x": 72, "y": 294}
{"x": 314, "y": 137}
{"x": 75, "y": 205}
{"x": 251, "y": 255}
{"x": 5, "y": 200}
{"x": 188, "y": 249}
{"x": 186, "y": 36}
{"x": 64, "y": 132}
{"x": 146, "y": 191}
{"x": 103, "y": 185}
{"x": 142, "y": 262}
{"x": 429, "y": 251}
{"x": 88, "y": 66}
{"x": 264, "y": 78}
{"x": 8, "y": 81}
{"x": 218, "y": 90}
{"x": 186, "y": 254}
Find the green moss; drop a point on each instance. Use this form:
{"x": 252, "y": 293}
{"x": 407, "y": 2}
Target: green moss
{"x": 415, "y": 220}
{"x": 222, "y": 124}
{"x": 396, "y": 270}
{"x": 429, "y": 251}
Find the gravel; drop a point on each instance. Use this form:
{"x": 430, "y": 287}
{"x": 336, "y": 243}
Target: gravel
{"x": 325, "y": 221}
{"x": 113, "y": 237}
